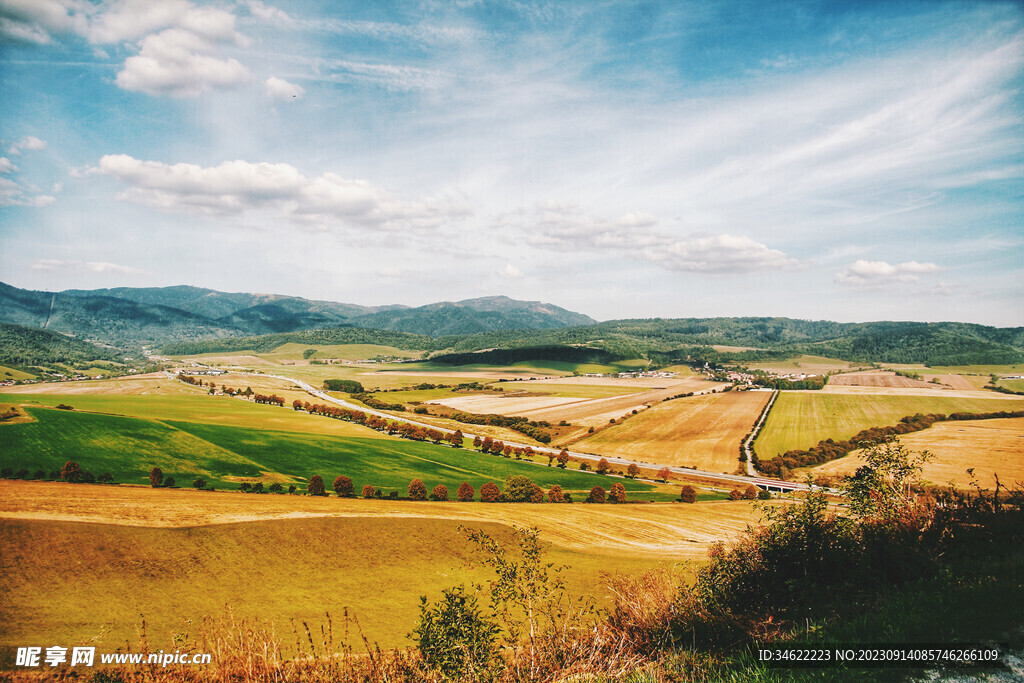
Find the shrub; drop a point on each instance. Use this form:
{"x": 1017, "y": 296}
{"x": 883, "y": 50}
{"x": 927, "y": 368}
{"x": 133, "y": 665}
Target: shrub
{"x": 257, "y": 487}
{"x": 597, "y": 495}
{"x": 344, "y": 487}
{"x": 440, "y": 493}
{"x": 750, "y": 493}
{"x": 245, "y": 487}
{"x": 466, "y": 492}
{"x": 617, "y": 494}
{"x": 169, "y": 483}
{"x": 489, "y": 492}
{"x": 105, "y": 478}
{"x": 276, "y": 488}
{"x": 291, "y": 488}
{"x": 21, "y": 474}
{"x": 555, "y": 494}
{"x": 764, "y": 495}
{"x": 316, "y": 486}
{"x": 41, "y": 474}
{"x": 369, "y": 491}
{"x": 454, "y": 637}
{"x": 393, "y": 495}
{"x": 87, "y": 477}
{"x": 417, "y": 490}
{"x": 156, "y": 477}
{"x": 584, "y": 466}
{"x": 520, "y": 489}
{"x": 567, "y": 498}
{"x": 71, "y": 472}
{"x": 688, "y": 494}
{"x": 735, "y": 494}
{"x": 199, "y": 484}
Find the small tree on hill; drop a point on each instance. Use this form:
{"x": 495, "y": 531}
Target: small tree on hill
{"x": 369, "y": 491}
{"x": 735, "y": 494}
{"x": 520, "y": 489}
{"x": 632, "y": 471}
{"x": 199, "y": 483}
{"x": 563, "y": 459}
{"x": 245, "y": 487}
{"x": 440, "y": 493}
{"x": 417, "y": 490}
{"x": 750, "y": 493}
{"x": 602, "y": 466}
{"x": 688, "y": 494}
{"x": 597, "y": 495}
{"x": 169, "y": 483}
{"x": 664, "y": 473}
{"x": 71, "y": 472}
{"x": 455, "y": 438}
{"x": 477, "y": 443}
{"x": 156, "y": 477}
{"x": 490, "y": 493}
{"x": 344, "y": 487}
{"x": 316, "y": 486}
{"x": 105, "y": 478}
{"x": 617, "y": 494}
{"x": 257, "y": 487}
{"x": 276, "y": 488}
{"x": 465, "y": 492}
{"x": 555, "y": 494}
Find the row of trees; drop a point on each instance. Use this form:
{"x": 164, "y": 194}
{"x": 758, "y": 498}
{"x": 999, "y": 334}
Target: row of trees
{"x": 518, "y": 488}
{"x": 71, "y": 472}
{"x": 829, "y": 449}
{"x": 402, "y": 429}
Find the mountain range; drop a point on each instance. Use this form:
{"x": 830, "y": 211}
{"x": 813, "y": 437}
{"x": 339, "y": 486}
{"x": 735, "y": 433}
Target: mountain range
{"x": 155, "y": 315}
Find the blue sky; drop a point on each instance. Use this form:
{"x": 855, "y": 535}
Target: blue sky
{"x": 827, "y": 160}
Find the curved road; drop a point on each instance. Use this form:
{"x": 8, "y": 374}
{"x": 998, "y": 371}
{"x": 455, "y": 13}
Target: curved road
{"x": 716, "y": 476}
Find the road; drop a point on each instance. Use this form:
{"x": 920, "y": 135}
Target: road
{"x": 751, "y": 472}
{"x": 734, "y": 479}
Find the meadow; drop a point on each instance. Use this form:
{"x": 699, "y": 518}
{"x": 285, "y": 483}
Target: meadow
{"x": 700, "y": 431}
{"x": 801, "y": 419}
{"x": 225, "y": 456}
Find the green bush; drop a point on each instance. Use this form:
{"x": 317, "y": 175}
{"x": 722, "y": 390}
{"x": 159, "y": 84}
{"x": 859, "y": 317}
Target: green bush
{"x": 454, "y": 637}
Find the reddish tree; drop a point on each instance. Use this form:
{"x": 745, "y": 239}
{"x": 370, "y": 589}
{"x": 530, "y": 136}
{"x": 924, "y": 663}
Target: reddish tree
{"x": 664, "y": 473}
{"x": 602, "y": 466}
{"x": 455, "y": 438}
{"x": 72, "y": 472}
{"x": 296, "y": 404}
{"x": 417, "y": 490}
{"x": 617, "y": 494}
{"x": 563, "y": 459}
{"x": 156, "y": 477}
{"x": 466, "y": 492}
{"x": 688, "y": 494}
{"x": 344, "y": 487}
{"x": 750, "y": 493}
{"x": 596, "y": 495}
{"x": 440, "y": 493}
{"x": 489, "y": 492}
{"x": 735, "y": 494}
{"x": 536, "y": 493}
{"x": 316, "y": 486}
{"x": 477, "y": 443}
{"x": 555, "y": 494}
{"x": 485, "y": 445}
{"x": 368, "y": 491}
{"x": 632, "y": 471}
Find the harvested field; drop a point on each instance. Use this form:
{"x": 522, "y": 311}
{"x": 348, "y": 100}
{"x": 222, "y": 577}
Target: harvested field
{"x": 989, "y": 446}
{"x": 799, "y": 419}
{"x": 960, "y": 382}
{"x": 811, "y": 365}
{"x": 701, "y": 431}
{"x": 882, "y": 379}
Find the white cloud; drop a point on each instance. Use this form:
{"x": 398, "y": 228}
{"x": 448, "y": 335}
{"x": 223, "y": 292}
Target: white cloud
{"x": 179, "y": 63}
{"x": 13, "y": 193}
{"x": 271, "y": 15}
{"x": 51, "y": 265}
{"x": 28, "y": 142}
{"x": 718, "y": 254}
{"x": 880, "y": 274}
{"x": 35, "y": 20}
{"x": 391, "y": 76}
{"x": 280, "y": 89}
{"x": 510, "y": 271}
{"x": 6, "y": 166}
{"x": 235, "y": 187}
{"x": 132, "y": 19}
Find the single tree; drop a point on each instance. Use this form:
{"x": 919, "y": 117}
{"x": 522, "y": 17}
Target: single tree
{"x": 276, "y": 488}
{"x": 520, "y": 489}
{"x": 597, "y": 495}
{"x": 369, "y": 491}
{"x": 563, "y": 459}
{"x": 688, "y": 494}
{"x": 199, "y": 483}
{"x": 490, "y": 493}
{"x": 664, "y": 473}
{"x": 344, "y": 487}
{"x": 316, "y": 486}
{"x": 71, "y": 472}
{"x": 156, "y": 477}
{"x": 466, "y": 492}
{"x": 105, "y": 478}
{"x": 245, "y": 487}
{"x": 555, "y": 494}
{"x": 417, "y": 490}
{"x": 617, "y": 494}
{"x": 440, "y": 493}
{"x": 632, "y": 471}
{"x": 257, "y": 487}
{"x": 477, "y": 443}
{"x": 602, "y": 466}
{"x": 750, "y": 493}
{"x": 455, "y": 438}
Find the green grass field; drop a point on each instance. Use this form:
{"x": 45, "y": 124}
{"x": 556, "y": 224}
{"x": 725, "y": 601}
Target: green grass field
{"x": 1012, "y": 384}
{"x": 800, "y": 420}
{"x": 12, "y": 373}
{"x": 129, "y": 447}
{"x": 71, "y": 583}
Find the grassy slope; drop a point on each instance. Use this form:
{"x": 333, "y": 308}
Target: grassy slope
{"x": 68, "y": 582}
{"x": 800, "y": 420}
{"x": 130, "y": 447}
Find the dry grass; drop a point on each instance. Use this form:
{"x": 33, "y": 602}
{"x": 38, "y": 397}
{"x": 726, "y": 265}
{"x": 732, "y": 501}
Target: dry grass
{"x": 988, "y": 446}
{"x": 701, "y": 431}
{"x": 657, "y": 530}
{"x": 882, "y": 379}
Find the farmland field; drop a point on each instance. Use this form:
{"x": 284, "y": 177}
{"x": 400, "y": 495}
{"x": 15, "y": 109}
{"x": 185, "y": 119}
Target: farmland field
{"x": 700, "y": 431}
{"x": 881, "y": 379}
{"x": 171, "y": 555}
{"x": 224, "y": 456}
{"x": 801, "y": 419}
{"x": 988, "y": 446}
{"x": 812, "y": 365}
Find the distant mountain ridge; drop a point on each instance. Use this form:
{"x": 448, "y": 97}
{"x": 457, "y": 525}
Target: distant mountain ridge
{"x": 156, "y": 315}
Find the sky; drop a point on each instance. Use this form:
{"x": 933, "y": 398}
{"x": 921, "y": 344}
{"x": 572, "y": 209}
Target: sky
{"x": 845, "y": 161}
